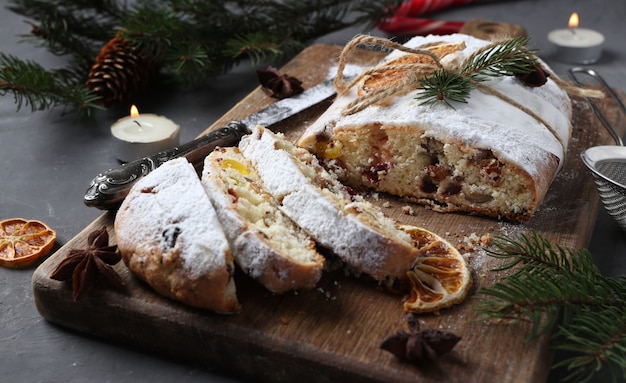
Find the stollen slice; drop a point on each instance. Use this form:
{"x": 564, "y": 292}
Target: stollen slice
{"x": 266, "y": 244}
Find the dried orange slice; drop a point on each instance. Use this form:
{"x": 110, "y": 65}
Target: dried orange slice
{"x": 386, "y": 77}
{"x": 440, "y": 276}
{"x": 22, "y": 242}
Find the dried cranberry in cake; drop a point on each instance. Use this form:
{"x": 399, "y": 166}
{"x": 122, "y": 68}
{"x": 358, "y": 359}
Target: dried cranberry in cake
{"x": 491, "y": 170}
{"x": 437, "y": 172}
{"x": 381, "y": 158}
{"x": 451, "y": 188}
{"x": 428, "y": 185}
{"x": 374, "y": 173}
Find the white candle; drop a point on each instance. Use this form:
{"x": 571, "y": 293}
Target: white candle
{"x": 141, "y": 135}
{"x": 577, "y": 45}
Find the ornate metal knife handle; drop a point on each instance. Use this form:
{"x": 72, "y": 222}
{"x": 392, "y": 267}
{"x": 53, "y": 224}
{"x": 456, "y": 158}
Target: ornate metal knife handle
{"x": 108, "y": 189}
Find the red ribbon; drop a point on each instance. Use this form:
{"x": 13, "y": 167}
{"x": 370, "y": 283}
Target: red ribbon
{"x": 403, "y": 21}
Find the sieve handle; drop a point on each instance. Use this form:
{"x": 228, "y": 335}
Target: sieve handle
{"x": 592, "y": 73}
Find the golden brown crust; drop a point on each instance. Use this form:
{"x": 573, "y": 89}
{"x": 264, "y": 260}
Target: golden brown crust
{"x": 165, "y": 273}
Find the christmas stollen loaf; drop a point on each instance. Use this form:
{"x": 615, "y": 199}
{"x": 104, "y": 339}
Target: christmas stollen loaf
{"x": 357, "y": 232}
{"x": 170, "y": 237}
{"x": 494, "y": 155}
{"x": 265, "y": 243}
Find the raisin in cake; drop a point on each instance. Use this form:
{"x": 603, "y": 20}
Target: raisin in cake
{"x": 265, "y": 243}
{"x": 484, "y": 157}
{"x": 170, "y": 237}
{"x": 366, "y": 240}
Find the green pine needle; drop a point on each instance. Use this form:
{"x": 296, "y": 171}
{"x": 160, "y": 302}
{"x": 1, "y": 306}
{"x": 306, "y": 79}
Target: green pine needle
{"x": 34, "y": 86}
{"x": 507, "y": 59}
{"x": 444, "y": 86}
{"x": 561, "y": 292}
{"x": 257, "y": 46}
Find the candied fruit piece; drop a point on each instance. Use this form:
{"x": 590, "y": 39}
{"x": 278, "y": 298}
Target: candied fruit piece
{"x": 236, "y": 165}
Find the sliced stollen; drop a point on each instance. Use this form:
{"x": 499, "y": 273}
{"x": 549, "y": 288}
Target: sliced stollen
{"x": 341, "y": 221}
{"x": 170, "y": 237}
{"x": 266, "y": 244}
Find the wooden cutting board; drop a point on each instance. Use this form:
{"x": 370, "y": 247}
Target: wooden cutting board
{"x": 333, "y": 333}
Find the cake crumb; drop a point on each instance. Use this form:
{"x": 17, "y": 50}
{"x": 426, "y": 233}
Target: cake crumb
{"x": 471, "y": 242}
{"x": 486, "y": 239}
{"x": 408, "y": 210}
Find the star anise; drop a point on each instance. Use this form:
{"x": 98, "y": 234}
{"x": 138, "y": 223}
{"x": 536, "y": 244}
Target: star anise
{"x": 418, "y": 345}
{"x": 85, "y": 267}
{"x": 278, "y": 85}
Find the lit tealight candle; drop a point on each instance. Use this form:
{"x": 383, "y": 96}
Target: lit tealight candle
{"x": 141, "y": 135}
{"x": 577, "y": 45}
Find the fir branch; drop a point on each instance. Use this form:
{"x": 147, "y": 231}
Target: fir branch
{"x": 257, "y": 46}
{"x": 535, "y": 251}
{"x": 593, "y": 348}
{"x": 444, "y": 86}
{"x": 77, "y": 28}
{"x": 34, "y": 86}
{"x": 507, "y": 59}
{"x": 561, "y": 291}
{"x": 192, "y": 41}
{"x": 510, "y": 58}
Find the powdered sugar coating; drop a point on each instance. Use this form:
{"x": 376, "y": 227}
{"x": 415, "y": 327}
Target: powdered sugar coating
{"x": 280, "y": 180}
{"x": 179, "y": 220}
{"x": 356, "y": 243}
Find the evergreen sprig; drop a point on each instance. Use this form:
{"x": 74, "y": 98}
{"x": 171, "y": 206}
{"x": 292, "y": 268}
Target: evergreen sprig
{"x": 561, "y": 291}
{"x": 509, "y": 58}
{"x": 34, "y": 86}
{"x": 193, "y": 41}
{"x": 444, "y": 86}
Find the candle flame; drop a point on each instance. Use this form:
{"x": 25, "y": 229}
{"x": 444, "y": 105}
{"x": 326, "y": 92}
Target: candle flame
{"x": 134, "y": 112}
{"x": 573, "y": 20}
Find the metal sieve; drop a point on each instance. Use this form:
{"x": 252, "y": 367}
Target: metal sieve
{"x": 607, "y": 163}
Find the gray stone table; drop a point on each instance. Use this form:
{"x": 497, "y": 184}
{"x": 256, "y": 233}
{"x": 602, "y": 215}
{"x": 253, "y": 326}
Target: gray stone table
{"x": 47, "y": 158}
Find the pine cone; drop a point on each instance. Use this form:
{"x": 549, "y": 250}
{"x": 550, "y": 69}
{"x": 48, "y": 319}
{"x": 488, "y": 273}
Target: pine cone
{"x": 119, "y": 73}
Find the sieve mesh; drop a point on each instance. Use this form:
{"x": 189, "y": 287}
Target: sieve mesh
{"x": 613, "y": 196}
{"x": 613, "y": 169}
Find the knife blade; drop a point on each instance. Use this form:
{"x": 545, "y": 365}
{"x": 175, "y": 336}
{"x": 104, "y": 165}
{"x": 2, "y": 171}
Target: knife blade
{"x": 108, "y": 189}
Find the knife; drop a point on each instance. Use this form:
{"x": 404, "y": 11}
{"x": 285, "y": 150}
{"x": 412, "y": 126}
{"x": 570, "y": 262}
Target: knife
{"x": 107, "y": 190}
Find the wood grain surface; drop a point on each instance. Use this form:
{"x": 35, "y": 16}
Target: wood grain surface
{"x": 333, "y": 333}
